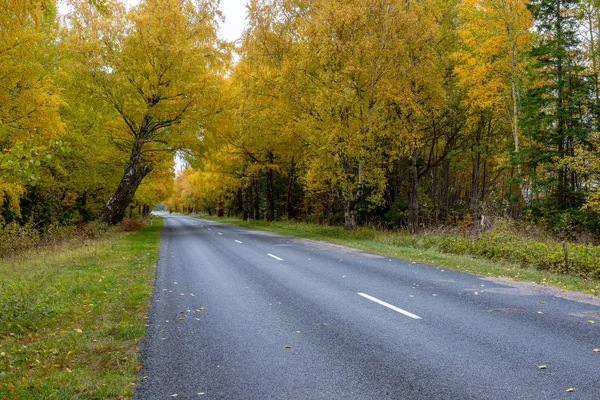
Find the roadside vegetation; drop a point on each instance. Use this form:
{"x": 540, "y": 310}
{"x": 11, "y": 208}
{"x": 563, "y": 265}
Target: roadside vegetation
{"x": 72, "y": 315}
{"x": 506, "y": 250}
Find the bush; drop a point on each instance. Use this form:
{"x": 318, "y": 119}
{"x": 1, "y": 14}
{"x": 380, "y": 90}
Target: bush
{"x": 131, "y": 225}
{"x": 15, "y": 238}
{"x": 521, "y": 245}
{"x": 504, "y": 243}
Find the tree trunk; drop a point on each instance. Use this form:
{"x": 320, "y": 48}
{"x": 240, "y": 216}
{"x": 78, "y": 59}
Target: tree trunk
{"x": 475, "y": 179}
{"x": 413, "y": 195}
{"x": 351, "y": 200}
{"x": 290, "y": 192}
{"x": 475, "y": 192}
{"x": 245, "y": 211}
{"x": 270, "y": 215}
{"x": 220, "y": 208}
{"x": 349, "y": 215}
{"x": 255, "y": 198}
{"x": 135, "y": 171}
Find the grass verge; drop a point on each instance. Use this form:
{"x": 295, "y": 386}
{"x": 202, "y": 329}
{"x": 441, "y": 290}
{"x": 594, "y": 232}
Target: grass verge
{"x": 460, "y": 253}
{"x": 71, "y": 321}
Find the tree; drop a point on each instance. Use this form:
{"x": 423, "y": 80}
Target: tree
{"x": 29, "y": 102}
{"x": 491, "y": 62}
{"x": 157, "y": 67}
{"x": 557, "y": 119}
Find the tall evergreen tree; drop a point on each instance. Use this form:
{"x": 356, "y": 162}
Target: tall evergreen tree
{"x": 556, "y": 116}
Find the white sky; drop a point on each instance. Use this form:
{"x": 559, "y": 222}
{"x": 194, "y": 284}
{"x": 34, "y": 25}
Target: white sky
{"x": 234, "y": 12}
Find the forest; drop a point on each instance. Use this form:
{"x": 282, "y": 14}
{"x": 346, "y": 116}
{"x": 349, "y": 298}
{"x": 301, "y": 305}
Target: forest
{"x": 391, "y": 114}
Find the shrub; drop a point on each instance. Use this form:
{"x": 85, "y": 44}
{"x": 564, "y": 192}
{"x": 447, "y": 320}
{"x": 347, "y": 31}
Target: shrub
{"x": 15, "y": 238}
{"x": 521, "y": 245}
{"x": 131, "y": 225}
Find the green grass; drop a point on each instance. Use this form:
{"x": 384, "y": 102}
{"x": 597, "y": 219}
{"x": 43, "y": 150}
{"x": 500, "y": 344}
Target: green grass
{"x": 71, "y": 320}
{"x": 426, "y": 248}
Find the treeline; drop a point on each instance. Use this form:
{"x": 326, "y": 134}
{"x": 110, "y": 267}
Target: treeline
{"x": 388, "y": 113}
{"x": 408, "y": 114}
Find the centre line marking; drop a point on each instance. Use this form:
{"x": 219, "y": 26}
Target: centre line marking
{"x": 237, "y": 241}
{"x": 220, "y": 233}
{"x": 275, "y": 257}
{"x": 383, "y": 303}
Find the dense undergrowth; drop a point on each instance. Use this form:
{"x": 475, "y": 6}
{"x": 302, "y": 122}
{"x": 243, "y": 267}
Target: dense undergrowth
{"x": 71, "y": 316}
{"x": 16, "y": 239}
{"x": 503, "y": 243}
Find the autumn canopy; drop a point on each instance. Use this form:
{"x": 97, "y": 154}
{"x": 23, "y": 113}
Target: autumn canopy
{"x": 399, "y": 114}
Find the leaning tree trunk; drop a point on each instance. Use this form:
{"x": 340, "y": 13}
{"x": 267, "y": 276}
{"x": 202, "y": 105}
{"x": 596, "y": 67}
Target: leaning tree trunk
{"x": 135, "y": 171}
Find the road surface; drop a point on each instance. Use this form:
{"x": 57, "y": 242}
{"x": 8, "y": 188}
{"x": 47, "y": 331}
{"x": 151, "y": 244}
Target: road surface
{"x": 244, "y": 314}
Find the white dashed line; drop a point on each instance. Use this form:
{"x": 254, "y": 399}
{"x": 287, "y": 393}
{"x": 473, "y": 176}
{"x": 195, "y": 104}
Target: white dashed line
{"x": 275, "y": 257}
{"x": 237, "y": 241}
{"x": 383, "y": 303}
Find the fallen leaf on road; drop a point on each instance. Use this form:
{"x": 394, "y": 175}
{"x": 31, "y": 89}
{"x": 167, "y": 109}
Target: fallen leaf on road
{"x": 202, "y": 308}
{"x": 591, "y": 321}
{"x": 541, "y": 302}
{"x": 201, "y": 394}
{"x": 542, "y": 367}
{"x": 539, "y": 312}
{"x": 174, "y": 395}
{"x": 343, "y": 276}
{"x": 181, "y": 319}
{"x": 570, "y": 389}
{"x": 287, "y": 346}
{"x": 297, "y": 331}
{"x": 564, "y": 290}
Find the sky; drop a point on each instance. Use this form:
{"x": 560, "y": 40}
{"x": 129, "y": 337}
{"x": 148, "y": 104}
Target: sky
{"x": 234, "y": 12}
{"x": 235, "y": 19}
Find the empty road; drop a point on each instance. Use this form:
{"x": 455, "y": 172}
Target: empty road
{"x": 243, "y": 314}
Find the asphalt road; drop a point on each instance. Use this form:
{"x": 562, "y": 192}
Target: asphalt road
{"x": 243, "y": 314}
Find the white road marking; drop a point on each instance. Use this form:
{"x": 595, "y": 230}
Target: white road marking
{"x": 383, "y": 303}
{"x": 220, "y": 233}
{"x": 237, "y": 241}
{"x": 275, "y": 257}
